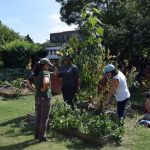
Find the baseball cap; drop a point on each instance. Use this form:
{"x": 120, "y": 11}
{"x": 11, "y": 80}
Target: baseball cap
{"x": 109, "y": 68}
{"x": 45, "y": 61}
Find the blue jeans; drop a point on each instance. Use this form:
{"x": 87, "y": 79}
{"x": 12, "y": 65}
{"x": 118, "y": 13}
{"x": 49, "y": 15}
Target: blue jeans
{"x": 121, "y": 108}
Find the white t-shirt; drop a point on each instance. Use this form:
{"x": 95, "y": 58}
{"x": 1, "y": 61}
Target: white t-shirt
{"x": 122, "y": 91}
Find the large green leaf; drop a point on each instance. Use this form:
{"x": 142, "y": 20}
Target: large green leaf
{"x": 100, "y": 31}
{"x": 93, "y": 21}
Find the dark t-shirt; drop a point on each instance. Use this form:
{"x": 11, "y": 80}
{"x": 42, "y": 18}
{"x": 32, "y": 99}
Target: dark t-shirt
{"x": 38, "y": 82}
{"x": 69, "y": 75}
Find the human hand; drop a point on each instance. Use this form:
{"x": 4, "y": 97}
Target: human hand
{"x": 44, "y": 88}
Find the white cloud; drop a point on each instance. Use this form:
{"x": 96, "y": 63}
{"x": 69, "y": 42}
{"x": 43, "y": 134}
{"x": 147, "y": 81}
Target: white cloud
{"x": 54, "y": 25}
{"x": 54, "y": 18}
{"x": 57, "y": 25}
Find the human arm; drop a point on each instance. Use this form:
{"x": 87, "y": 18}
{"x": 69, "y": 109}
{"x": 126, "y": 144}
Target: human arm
{"x": 113, "y": 88}
{"x": 30, "y": 85}
{"x": 46, "y": 84}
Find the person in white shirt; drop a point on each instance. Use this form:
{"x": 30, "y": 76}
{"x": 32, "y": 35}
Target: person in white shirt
{"x": 118, "y": 88}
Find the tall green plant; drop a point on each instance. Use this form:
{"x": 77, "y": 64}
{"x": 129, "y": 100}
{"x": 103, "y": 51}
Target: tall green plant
{"x": 93, "y": 53}
{"x": 88, "y": 51}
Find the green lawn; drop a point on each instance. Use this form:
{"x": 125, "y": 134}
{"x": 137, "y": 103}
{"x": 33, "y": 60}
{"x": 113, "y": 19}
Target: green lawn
{"x": 17, "y": 134}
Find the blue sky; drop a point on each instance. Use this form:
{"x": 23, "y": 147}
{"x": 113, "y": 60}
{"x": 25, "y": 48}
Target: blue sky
{"x": 38, "y": 18}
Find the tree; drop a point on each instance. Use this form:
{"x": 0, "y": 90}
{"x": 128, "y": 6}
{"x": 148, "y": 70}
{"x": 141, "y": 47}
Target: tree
{"x": 132, "y": 34}
{"x": 18, "y": 51}
{"x": 126, "y": 25}
{"x": 7, "y": 35}
{"x": 27, "y": 38}
{"x": 71, "y": 10}
{"x": 88, "y": 51}
{"x": 112, "y": 10}
{"x": 18, "y": 54}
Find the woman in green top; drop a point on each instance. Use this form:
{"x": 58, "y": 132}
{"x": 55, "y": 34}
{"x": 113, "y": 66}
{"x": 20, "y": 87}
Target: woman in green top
{"x": 40, "y": 83}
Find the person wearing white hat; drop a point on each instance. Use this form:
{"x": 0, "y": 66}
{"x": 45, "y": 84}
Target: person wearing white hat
{"x": 39, "y": 82}
{"x": 118, "y": 88}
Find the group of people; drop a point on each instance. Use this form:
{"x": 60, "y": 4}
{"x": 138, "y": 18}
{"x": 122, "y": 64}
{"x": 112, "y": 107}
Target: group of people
{"x": 39, "y": 82}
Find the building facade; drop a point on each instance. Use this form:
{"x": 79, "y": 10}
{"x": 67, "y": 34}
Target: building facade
{"x": 52, "y": 52}
{"x": 61, "y": 38}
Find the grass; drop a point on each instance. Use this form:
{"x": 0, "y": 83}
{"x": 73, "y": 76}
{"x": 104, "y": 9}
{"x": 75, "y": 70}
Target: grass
{"x": 17, "y": 134}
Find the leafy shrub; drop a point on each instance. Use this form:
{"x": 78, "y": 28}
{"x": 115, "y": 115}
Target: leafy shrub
{"x": 14, "y": 77}
{"x": 17, "y": 53}
{"x": 7, "y": 34}
{"x": 63, "y": 117}
{"x": 19, "y": 83}
{"x": 5, "y": 83}
{"x": 13, "y": 74}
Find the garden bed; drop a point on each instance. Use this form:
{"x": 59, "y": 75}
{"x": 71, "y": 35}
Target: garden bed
{"x": 10, "y": 92}
{"x": 97, "y": 129}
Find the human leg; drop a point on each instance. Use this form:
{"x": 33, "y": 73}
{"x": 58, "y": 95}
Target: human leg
{"x": 64, "y": 93}
{"x": 68, "y": 95}
{"x": 37, "y": 121}
{"x": 121, "y": 108}
{"x": 45, "y": 108}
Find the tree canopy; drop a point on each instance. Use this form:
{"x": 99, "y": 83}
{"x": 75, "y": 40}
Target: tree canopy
{"x": 7, "y": 34}
{"x": 126, "y": 24}
{"x": 113, "y": 10}
{"x": 17, "y": 50}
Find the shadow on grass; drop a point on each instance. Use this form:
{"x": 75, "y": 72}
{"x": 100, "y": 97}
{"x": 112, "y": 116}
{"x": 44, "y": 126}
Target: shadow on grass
{"x": 20, "y": 123}
{"x": 74, "y": 143}
{"x": 14, "y": 97}
{"x": 14, "y": 122}
{"x": 7, "y": 98}
{"x": 20, "y": 146}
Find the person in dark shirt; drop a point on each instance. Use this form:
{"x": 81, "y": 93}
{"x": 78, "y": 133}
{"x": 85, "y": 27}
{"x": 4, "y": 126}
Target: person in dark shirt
{"x": 70, "y": 81}
{"x": 39, "y": 82}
